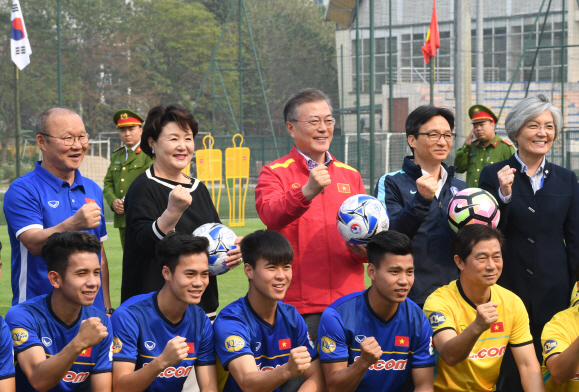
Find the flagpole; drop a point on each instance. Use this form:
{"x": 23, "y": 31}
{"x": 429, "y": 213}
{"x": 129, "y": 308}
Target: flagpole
{"x": 17, "y": 121}
{"x": 432, "y": 60}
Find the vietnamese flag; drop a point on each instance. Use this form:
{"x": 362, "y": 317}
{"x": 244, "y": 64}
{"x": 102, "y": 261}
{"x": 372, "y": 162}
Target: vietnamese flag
{"x": 88, "y": 201}
{"x": 432, "y": 38}
{"x": 86, "y": 352}
{"x": 190, "y": 347}
{"x": 497, "y": 327}
{"x": 285, "y": 344}
{"x": 402, "y": 341}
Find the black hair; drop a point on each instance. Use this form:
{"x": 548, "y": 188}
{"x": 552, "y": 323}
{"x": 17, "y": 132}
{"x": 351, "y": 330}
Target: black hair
{"x": 170, "y": 248}
{"x": 385, "y": 242}
{"x": 268, "y": 245}
{"x": 161, "y": 115}
{"x": 470, "y": 235}
{"x": 422, "y": 114}
{"x": 60, "y": 246}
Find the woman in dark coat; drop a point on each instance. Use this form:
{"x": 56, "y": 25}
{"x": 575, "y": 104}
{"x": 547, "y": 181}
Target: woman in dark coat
{"x": 163, "y": 199}
{"x": 539, "y": 203}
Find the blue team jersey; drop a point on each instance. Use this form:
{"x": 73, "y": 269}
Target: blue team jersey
{"x": 405, "y": 339}
{"x": 142, "y": 332}
{"x": 6, "y": 352}
{"x": 239, "y": 330}
{"x": 33, "y": 323}
{"x": 40, "y": 200}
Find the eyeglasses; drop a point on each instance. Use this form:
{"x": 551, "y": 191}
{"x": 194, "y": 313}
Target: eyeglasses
{"x": 329, "y": 122}
{"x": 549, "y": 128}
{"x": 435, "y": 136}
{"x": 69, "y": 140}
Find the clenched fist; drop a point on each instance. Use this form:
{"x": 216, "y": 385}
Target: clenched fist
{"x": 118, "y": 207}
{"x": 91, "y": 332}
{"x": 427, "y": 186}
{"x": 175, "y": 351}
{"x": 319, "y": 179}
{"x": 371, "y": 351}
{"x": 87, "y": 217}
{"x": 486, "y": 315}
{"x": 506, "y": 177}
{"x": 299, "y": 361}
{"x": 179, "y": 199}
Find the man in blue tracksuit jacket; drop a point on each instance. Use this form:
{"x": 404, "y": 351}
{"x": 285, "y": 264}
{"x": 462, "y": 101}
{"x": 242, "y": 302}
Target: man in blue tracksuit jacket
{"x": 417, "y": 197}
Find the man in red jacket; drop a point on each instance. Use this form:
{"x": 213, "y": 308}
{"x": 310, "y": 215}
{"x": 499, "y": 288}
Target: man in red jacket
{"x": 299, "y": 196}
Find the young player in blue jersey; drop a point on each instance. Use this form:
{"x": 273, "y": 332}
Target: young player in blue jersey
{"x": 61, "y": 342}
{"x": 373, "y": 340}
{"x": 162, "y": 336}
{"x": 7, "y": 373}
{"x": 261, "y": 342}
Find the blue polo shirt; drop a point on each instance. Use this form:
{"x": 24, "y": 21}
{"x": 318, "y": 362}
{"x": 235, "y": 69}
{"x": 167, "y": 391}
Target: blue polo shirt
{"x": 40, "y": 200}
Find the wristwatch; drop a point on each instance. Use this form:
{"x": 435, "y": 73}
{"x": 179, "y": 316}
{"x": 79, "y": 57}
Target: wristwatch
{"x": 109, "y": 310}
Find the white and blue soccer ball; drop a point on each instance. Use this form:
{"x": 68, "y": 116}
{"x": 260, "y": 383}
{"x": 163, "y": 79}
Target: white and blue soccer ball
{"x": 221, "y": 240}
{"x": 360, "y": 218}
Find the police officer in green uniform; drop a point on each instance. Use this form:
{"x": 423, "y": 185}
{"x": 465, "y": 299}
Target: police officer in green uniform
{"x": 127, "y": 163}
{"x": 488, "y": 148}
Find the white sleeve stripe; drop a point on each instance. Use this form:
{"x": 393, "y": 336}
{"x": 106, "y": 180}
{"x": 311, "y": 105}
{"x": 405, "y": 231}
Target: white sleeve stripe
{"x": 26, "y": 228}
{"x": 104, "y": 238}
{"x": 22, "y": 279}
{"x": 157, "y": 233}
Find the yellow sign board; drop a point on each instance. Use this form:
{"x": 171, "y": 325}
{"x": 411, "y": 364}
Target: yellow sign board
{"x": 236, "y": 171}
{"x": 209, "y": 168}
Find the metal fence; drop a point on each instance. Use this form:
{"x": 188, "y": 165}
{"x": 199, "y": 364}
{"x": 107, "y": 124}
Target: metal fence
{"x": 390, "y": 150}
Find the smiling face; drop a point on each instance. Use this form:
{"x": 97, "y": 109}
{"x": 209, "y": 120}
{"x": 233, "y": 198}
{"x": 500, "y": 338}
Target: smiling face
{"x": 484, "y": 130}
{"x": 394, "y": 278}
{"x": 173, "y": 149}
{"x": 81, "y": 281}
{"x": 59, "y": 157}
{"x": 269, "y": 281}
{"x": 130, "y": 136}
{"x": 312, "y": 140}
{"x": 484, "y": 265}
{"x": 426, "y": 150}
{"x": 190, "y": 278}
{"x": 536, "y": 137}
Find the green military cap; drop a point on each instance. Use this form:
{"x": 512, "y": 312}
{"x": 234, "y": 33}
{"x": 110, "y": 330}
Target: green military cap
{"x": 481, "y": 113}
{"x": 127, "y": 118}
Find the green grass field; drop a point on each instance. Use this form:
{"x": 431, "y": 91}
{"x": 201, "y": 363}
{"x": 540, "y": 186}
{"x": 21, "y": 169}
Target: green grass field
{"x": 232, "y": 285}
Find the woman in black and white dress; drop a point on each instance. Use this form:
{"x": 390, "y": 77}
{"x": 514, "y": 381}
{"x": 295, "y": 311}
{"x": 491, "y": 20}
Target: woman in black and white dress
{"x": 163, "y": 199}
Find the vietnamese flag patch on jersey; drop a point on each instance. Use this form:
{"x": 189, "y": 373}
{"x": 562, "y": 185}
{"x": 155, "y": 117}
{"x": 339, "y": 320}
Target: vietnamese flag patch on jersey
{"x": 86, "y": 352}
{"x": 190, "y": 347}
{"x": 285, "y": 344}
{"x": 87, "y": 200}
{"x": 497, "y": 327}
{"x": 402, "y": 341}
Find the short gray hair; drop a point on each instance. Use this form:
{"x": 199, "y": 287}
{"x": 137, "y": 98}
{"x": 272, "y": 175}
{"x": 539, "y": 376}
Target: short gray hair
{"x": 307, "y": 95}
{"x": 528, "y": 109}
{"x": 41, "y": 126}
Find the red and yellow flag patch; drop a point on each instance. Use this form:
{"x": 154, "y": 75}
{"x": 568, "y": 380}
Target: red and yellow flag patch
{"x": 344, "y": 188}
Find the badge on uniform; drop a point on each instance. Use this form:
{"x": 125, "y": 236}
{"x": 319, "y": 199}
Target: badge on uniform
{"x": 117, "y": 162}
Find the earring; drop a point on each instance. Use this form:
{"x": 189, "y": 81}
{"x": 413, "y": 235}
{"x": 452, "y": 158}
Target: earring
{"x": 153, "y": 150}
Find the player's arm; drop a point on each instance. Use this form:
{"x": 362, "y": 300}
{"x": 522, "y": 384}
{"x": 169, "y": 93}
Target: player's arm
{"x": 206, "y": 378}
{"x": 563, "y": 366}
{"x": 105, "y": 277}
{"x": 343, "y": 378}
{"x": 45, "y": 373}
{"x": 8, "y": 384}
{"x": 126, "y": 379}
{"x": 314, "y": 376}
{"x": 423, "y": 379}
{"x": 529, "y": 368}
{"x": 454, "y": 348}
{"x": 87, "y": 217}
{"x": 101, "y": 382}
{"x": 250, "y": 379}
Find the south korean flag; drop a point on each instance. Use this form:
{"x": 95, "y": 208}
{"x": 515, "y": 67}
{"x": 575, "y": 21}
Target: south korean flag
{"x": 19, "y": 43}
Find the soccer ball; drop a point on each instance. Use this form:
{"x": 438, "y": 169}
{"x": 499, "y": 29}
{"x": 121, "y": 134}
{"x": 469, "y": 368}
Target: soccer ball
{"x": 473, "y": 205}
{"x": 361, "y": 217}
{"x": 221, "y": 240}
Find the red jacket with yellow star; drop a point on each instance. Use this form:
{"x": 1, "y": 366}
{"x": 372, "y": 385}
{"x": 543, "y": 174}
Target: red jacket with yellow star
{"x": 323, "y": 267}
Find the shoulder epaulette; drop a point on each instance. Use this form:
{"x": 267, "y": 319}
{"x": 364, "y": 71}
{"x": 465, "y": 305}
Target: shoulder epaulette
{"x": 507, "y": 142}
{"x": 120, "y": 148}
{"x": 344, "y": 166}
{"x": 284, "y": 165}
